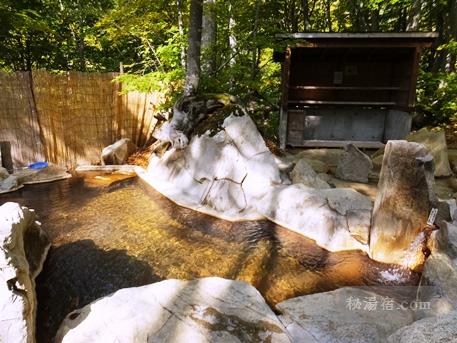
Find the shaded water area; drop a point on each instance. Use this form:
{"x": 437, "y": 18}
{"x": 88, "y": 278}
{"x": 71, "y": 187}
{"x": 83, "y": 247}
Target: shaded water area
{"x": 109, "y": 234}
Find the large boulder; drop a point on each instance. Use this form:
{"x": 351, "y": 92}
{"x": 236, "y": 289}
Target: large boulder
{"x": 23, "y": 249}
{"x": 346, "y": 315}
{"x": 428, "y": 330}
{"x": 435, "y": 142}
{"x": 441, "y": 272}
{"x": 118, "y": 152}
{"x": 303, "y": 173}
{"x": 221, "y": 174}
{"x": 403, "y": 203}
{"x": 208, "y": 178}
{"x": 231, "y": 174}
{"x": 9, "y": 184}
{"x": 354, "y": 165}
{"x": 203, "y": 310}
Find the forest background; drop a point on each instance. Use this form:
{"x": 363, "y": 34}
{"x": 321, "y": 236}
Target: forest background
{"x": 148, "y": 41}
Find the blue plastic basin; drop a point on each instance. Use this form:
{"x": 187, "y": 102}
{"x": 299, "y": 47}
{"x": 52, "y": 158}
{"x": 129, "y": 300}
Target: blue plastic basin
{"x": 38, "y": 165}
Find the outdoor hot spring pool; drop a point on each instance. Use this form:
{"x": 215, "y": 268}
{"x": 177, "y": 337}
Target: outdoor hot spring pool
{"x": 108, "y": 233}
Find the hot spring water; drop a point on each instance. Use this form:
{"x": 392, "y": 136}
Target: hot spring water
{"x": 109, "y": 234}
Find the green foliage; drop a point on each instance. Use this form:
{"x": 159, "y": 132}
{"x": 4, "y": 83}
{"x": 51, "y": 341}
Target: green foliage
{"x": 437, "y": 97}
{"x": 150, "y": 37}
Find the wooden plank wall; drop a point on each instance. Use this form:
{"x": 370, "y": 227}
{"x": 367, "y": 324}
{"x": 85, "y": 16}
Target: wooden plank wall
{"x": 68, "y": 118}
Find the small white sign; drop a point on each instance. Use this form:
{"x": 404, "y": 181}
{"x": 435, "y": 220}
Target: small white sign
{"x": 432, "y": 216}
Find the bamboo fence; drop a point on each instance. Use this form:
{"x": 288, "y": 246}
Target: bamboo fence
{"x": 68, "y": 118}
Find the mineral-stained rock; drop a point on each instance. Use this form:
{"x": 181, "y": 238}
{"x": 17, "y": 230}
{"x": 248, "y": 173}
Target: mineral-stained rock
{"x": 346, "y": 315}
{"x": 203, "y": 310}
{"x": 118, "y": 152}
{"x": 303, "y": 173}
{"x": 428, "y": 330}
{"x": 354, "y": 165}
{"x": 23, "y": 249}
{"x": 404, "y": 200}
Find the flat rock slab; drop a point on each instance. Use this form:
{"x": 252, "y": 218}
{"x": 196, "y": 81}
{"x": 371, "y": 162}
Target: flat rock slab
{"x": 346, "y": 315}
{"x": 51, "y": 173}
{"x": 429, "y": 330}
{"x": 204, "y": 310}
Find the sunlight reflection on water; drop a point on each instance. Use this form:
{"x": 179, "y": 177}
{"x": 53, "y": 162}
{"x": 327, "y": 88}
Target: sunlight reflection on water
{"x": 108, "y": 235}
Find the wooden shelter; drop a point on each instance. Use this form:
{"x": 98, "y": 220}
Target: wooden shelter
{"x": 341, "y": 87}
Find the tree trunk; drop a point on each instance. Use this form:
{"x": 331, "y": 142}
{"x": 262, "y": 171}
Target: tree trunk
{"x": 374, "y": 20}
{"x": 328, "y": 15}
{"x": 254, "y": 62}
{"x": 232, "y": 39}
{"x": 209, "y": 37}
{"x": 80, "y": 40}
{"x": 438, "y": 61}
{"x": 181, "y": 32}
{"x": 194, "y": 49}
{"x": 305, "y": 9}
{"x": 452, "y": 31}
{"x": 294, "y": 18}
{"x": 414, "y": 16}
{"x": 81, "y": 53}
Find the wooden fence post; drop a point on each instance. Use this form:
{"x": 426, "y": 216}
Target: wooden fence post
{"x": 39, "y": 148}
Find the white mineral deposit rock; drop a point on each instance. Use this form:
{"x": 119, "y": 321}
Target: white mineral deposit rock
{"x": 23, "y": 249}
{"x": 202, "y": 310}
{"x": 232, "y": 175}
